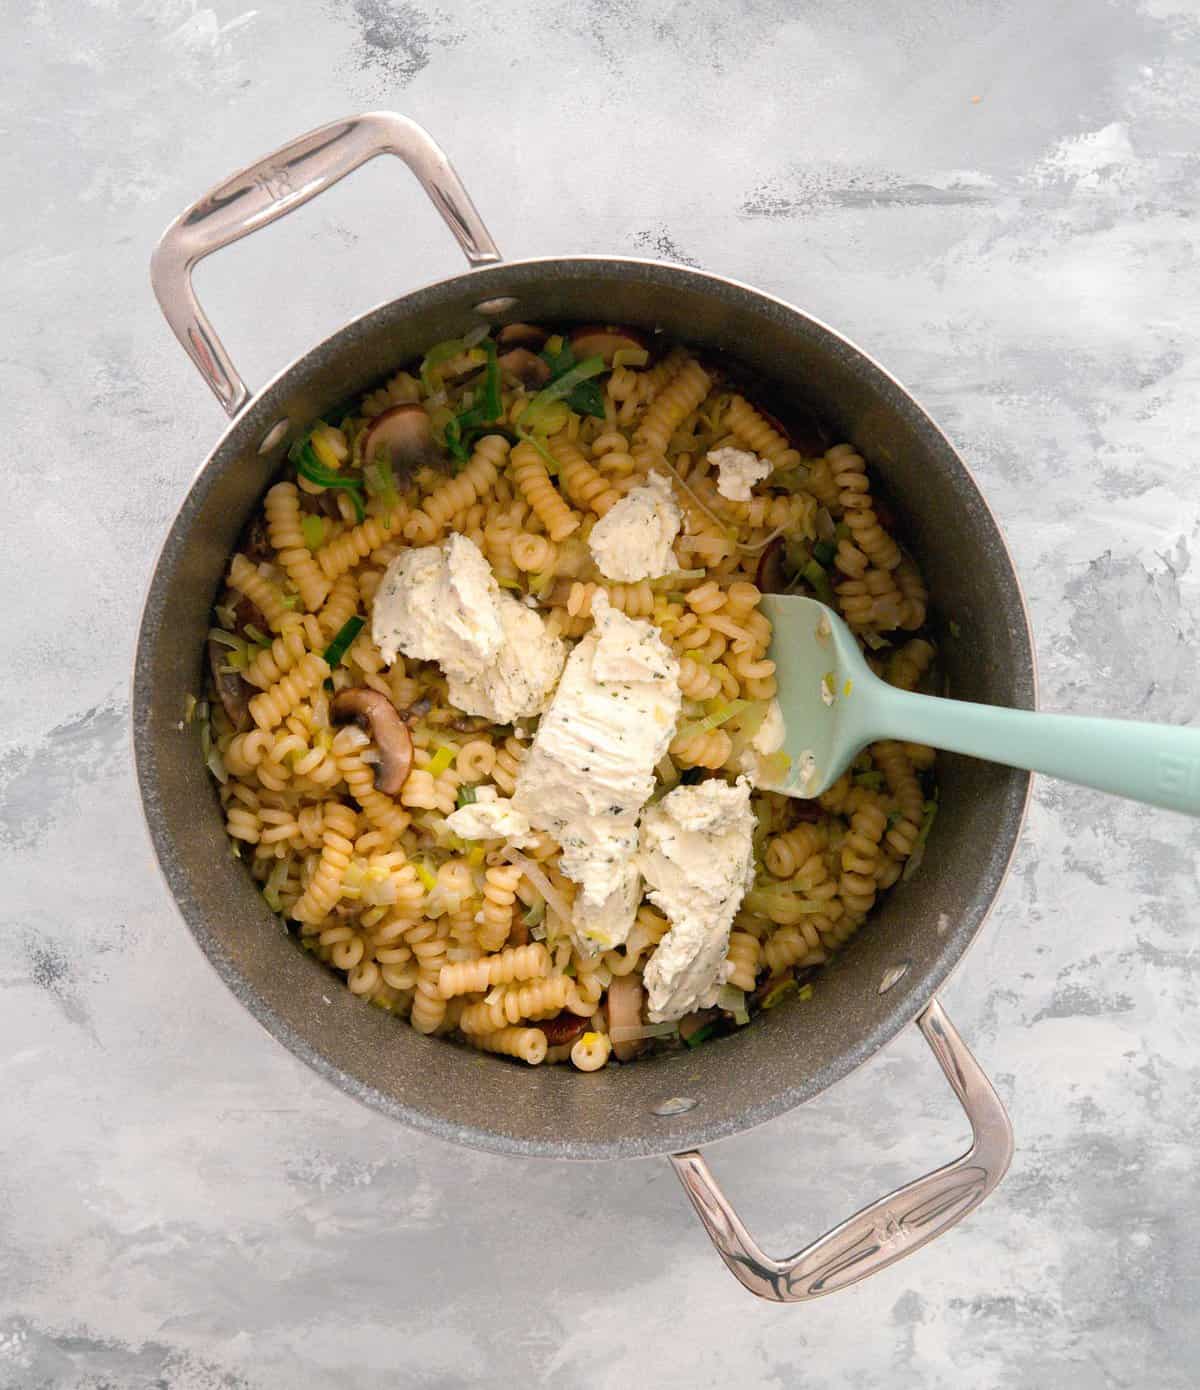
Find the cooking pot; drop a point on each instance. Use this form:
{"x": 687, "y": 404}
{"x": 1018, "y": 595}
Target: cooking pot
{"x": 666, "y": 1105}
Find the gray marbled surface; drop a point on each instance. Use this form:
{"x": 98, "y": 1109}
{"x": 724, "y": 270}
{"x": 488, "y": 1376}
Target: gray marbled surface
{"x": 999, "y": 201}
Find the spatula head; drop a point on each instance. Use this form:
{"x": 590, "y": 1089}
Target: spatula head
{"x": 823, "y": 684}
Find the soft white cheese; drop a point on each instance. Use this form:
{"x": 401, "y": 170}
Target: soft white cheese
{"x": 442, "y": 603}
{"x": 489, "y": 817}
{"x": 737, "y": 472}
{"x": 633, "y": 540}
{"x": 697, "y": 856}
{"x": 769, "y": 739}
{"x": 591, "y": 766}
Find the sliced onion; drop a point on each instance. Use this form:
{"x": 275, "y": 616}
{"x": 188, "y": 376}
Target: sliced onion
{"x": 476, "y": 335}
{"x": 826, "y": 527}
{"x": 646, "y": 1030}
{"x": 554, "y": 899}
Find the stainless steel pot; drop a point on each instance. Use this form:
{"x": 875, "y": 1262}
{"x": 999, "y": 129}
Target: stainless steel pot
{"x": 669, "y": 1105}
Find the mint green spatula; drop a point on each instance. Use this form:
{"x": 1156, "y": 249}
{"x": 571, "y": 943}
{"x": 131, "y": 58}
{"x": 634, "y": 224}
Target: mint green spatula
{"x": 834, "y": 705}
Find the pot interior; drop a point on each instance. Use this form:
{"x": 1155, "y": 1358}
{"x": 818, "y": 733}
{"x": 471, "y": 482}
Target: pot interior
{"x": 788, "y": 1054}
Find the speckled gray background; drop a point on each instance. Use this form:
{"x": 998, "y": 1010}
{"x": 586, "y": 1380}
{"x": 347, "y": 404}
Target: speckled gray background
{"x": 998, "y": 199}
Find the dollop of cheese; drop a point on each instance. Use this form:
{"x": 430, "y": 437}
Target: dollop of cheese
{"x": 697, "y": 856}
{"x": 737, "y": 472}
{"x": 442, "y": 603}
{"x": 767, "y": 740}
{"x": 590, "y": 769}
{"x": 489, "y": 817}
{"x": 633, "y": 540}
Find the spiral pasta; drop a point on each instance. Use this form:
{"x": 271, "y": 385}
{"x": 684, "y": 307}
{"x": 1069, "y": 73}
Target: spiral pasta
{"x": 351, "y": 546}
{"x": 513, "y": 963}
{"x": 337, "y": 845}
{"x": 582, "y": 483}
{"x": 754, "y": 431}
{"x": 470, "y": 939}
{"x": 529, "y": 474}
{"x": 282, "y": 507}
{"x": 526, "y": 1044}
{"x": 266, "y": 596}
{"x": 457, "y": 494}
{"x": 276, "y": 703}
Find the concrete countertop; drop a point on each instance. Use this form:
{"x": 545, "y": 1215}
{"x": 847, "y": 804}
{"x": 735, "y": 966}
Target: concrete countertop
{"x": 998, "y": 202}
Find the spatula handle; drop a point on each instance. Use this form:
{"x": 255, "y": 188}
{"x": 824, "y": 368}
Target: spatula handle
{"x": 1155, "y": 763}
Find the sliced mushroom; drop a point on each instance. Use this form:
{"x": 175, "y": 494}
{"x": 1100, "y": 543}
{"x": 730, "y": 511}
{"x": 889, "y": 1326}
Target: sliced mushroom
{"x": 527, "y": 367}
{"x": 254, "y": 543}
{"x": 378, "y": 716}
{"x": 526, "y": 335}
{"x": 603, "y": 340}
{"x": 232, "y": 690}
{"x": 404, "y": 434}
{"x": 772, "y": 575}
{"x": 624, "y": 1008}
{"x": 563, "y": 1028}
{"x": 692, "y": 1023}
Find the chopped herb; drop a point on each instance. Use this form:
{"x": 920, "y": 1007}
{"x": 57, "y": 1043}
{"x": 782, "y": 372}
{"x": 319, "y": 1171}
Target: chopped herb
{"x": 552, "y": 464}
{"x": 586, "y": 397}
{"x": 778, "y": 993}
{"x": 426, "y": 875}
{"x": 814, "y": 574}
{"x": 341, "y": 643}
{"x": 930, "y": 812}
{"x": 488, "y": 407}
{"x": 701, "y": 1035}
{"x": 805, "y": 992}
{"x": 562, "y": 387}
{"x": 436, "y": 357}
{"x": 309, "y": 467}
{"x": 466, "y": 796}
{"x": 381, "y": 483}
{"x": 312, "y": 528}
{"x": 535, "y": 914}
{"x": 441, "y": 760}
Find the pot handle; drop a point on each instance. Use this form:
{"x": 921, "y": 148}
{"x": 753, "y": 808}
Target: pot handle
{"x": 276, "y": 185}
{"x": 888, "y": 1229}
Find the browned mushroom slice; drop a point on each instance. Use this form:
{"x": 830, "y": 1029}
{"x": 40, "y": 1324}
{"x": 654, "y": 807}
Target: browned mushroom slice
{"x": 603, "y": 340}
{"x": 527, "y": 367}
{"x": 563, "y": 1028}
{"x": 404, "y": 435}
{"x": 691, "y": 1024}
{"x": 232, "y": 690}
{"x": 624, "y": 1007}
{"x": 773, "y": 575}
{"x": 526, "y": 335}
{"x": 378, "y": 716}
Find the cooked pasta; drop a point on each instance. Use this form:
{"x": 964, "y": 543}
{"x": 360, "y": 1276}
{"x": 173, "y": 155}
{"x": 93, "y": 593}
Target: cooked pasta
{"x": 465, "y": 938}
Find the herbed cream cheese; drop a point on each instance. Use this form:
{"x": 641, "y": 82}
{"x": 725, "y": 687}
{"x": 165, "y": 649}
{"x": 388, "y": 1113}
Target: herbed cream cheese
{"x": 489, "y": 817}
{"x": 633, "y": 540}
{"x": 590, "y": 769}
{"x": 737, "y": 472}
{"x": 697, "y": 857}
{"x": 767, "y": 740}
{"x": 442, "y": 603}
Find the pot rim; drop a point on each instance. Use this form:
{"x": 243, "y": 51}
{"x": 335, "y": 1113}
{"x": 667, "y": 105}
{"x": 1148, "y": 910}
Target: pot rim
{"x": 907, "y": 1005}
